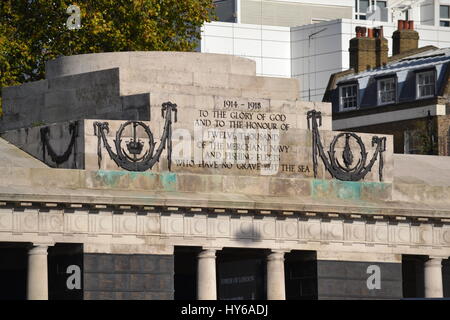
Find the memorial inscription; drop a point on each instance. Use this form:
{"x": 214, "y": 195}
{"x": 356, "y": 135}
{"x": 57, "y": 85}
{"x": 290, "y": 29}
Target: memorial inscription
{"x": 243, "y": 137}
{"x": 243, "y": 134}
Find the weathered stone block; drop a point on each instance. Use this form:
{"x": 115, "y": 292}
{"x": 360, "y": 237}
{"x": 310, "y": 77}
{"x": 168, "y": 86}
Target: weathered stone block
{"x": 214, "y": 80}
{"x": 63, "y": 177}
{"x": 107, "y": 179}
{"x": 376, "y": 191}
{"x": 246, "y": 185}
{"x": 200, "y": 183}
{"x": 176, "y": 77}
{"x": 289, "y": 187}
{"x": 27, "y": 89}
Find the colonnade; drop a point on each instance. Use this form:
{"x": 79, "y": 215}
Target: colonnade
{"x": 37, "y": 282}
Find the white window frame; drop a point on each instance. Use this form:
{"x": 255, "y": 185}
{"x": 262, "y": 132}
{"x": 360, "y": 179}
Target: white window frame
{"x": 372, "y": 3}
{"x": 390, "y": 79}
{"x": 359, "y": 14}
{"x": 443, "y": 19}
{"x": 341, "y": 102}
{"x": 418, "y": 85}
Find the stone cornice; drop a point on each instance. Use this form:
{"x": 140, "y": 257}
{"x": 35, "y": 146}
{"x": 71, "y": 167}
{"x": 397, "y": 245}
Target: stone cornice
{"x": 180, "y": 228}
{"x": 230, "y": 204}
{"x": 277, "y": 207}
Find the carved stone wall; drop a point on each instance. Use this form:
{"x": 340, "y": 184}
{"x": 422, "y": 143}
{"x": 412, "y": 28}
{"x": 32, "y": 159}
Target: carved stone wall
{"x": 145, "y": 232}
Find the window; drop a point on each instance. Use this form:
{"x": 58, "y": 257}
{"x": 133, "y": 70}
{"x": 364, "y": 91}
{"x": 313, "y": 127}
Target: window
{"x": 445, "y": 16}
{"x": 412, "y": 142}
{"x": 225, "y": 10}
{"x": 382, "y": 4}
{"x": 387, "y": 92}
{"x": 426, "y": 83}
{"x": 363, "y": 7}
{"x": 348, "y": 97}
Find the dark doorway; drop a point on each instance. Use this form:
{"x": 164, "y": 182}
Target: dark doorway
{"x": 185, "y": 278}
{"x": 446, "y": 277}
{"x": 413, "y": 276}
{"x": 301, "y": 275}
{"x": 241, "y": 274}
{"x": 13, "y": 271}
{"x": 65, "y": 271}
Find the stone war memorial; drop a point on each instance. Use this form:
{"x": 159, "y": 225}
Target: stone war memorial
{"x": 169, "y": 175}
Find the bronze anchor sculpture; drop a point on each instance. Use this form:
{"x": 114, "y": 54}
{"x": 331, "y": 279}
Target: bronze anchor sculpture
{"x": 131, "y": 160}
{"x": 345, "y": 171}
{"x": 47, "y": 148}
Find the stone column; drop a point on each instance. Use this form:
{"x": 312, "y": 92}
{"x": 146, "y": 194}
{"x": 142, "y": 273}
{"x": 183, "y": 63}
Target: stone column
{"x": 37, "y": 283}
{"x": 275, "y": 276}
{"x": 433, "y": 278}
{"x": 206, "y": 275}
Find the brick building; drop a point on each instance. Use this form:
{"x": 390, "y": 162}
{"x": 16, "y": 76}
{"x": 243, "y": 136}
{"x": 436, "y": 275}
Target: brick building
{"x": 406, "y": 95}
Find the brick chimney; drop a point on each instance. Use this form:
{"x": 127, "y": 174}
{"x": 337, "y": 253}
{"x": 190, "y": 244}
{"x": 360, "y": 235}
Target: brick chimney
{"x": 382, "y": 47}
{"x": 368, "y": 51}
{"x": 405, "y": 38}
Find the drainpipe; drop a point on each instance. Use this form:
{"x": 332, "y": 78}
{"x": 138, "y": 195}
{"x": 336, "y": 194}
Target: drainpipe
{"x": 430, "y": 133}
{"x": 309, "y": 60}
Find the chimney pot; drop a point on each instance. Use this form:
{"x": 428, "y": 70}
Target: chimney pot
{"x": 378, "y": 32}
{"x": 405, "y": 38}
{"x": 360, "y": 32}
{"x": 370, "y": 33}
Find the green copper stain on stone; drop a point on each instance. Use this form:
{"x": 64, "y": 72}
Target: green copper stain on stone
{"x": 351, "y": 190}
{"x": 320, "y": 188}
{"x": 346, "y": 190}
{"x": 168, "y": 181}
{"x": 147, "y": 174}
{"x": 110, "y": 178}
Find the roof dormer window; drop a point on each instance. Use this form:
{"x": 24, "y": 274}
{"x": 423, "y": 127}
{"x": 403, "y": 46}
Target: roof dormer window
{"x": 426, "y": 84}
{"x": 348, "y": 97}
{"x": 387, "y": 91}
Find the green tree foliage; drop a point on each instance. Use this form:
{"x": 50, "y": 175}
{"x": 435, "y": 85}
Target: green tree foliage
{"x": 34, "y": 31}
{"x": 426, "y": 135}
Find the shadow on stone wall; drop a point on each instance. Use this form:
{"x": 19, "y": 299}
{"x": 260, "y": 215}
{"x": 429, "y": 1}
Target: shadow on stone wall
{"x": 247, "y": 234}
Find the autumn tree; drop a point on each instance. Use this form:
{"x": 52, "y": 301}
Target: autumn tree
{"x": 34, "y": 31}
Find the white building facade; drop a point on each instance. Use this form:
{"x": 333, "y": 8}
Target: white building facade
{"x": 315, "y": 45}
